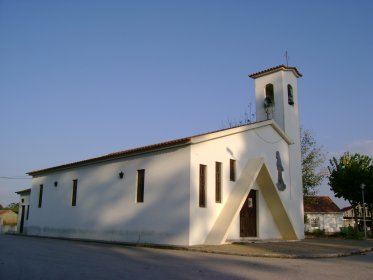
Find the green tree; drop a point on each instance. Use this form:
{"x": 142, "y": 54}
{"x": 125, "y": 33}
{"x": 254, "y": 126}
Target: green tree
{"x": 312, "y": 155}
{"x": 13, "y": 206}
{"x": 369, "y": 189}
{"x": 312, "y": 160}
{"x": 347, "y": 174}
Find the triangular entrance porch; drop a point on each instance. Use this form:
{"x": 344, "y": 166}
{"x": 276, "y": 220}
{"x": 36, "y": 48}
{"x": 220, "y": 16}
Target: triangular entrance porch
{"x": 255, "y": 170}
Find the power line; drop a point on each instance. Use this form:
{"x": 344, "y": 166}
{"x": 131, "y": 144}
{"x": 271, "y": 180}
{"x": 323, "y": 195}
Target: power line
{"x": 15, "y": 177}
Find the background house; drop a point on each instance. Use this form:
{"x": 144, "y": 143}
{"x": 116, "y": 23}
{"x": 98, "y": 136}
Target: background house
{"x": 8, "y": 221}
{"x": 322, "y": 214}
{"x": 349, "y": 217}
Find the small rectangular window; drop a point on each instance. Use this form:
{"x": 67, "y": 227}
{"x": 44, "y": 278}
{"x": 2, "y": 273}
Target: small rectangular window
{"x": 40, "y": 196}
{"x": 315, "y": 222}
{"x": 28, "y": 212}
{"x": 232, "y": 170}
{"x": 218, "y": 181}
{"x": 74, "y": 194}
{"x": 202, "y": 185}
{"x": 140, "y": 185}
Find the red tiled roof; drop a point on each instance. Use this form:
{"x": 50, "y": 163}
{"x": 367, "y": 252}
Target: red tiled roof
{"x": 275, "y": 69}
{"x": 131, "y": 152}
{"x": 5, "y": 211}
{"x": 114, "y": 155}
{"x": 320, "y": 204}
{"x": 344, "y": 209}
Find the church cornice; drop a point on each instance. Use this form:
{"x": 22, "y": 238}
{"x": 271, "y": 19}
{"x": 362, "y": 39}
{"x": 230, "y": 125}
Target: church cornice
{"x": 276, "y": 69}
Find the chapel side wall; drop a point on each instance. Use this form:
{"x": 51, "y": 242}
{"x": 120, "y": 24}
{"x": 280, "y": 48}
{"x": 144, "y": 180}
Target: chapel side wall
{"x": 260, "y": 142}
{"x": 106, "y": 207}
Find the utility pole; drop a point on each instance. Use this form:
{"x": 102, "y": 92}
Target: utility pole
{"x": 365, "y": 225}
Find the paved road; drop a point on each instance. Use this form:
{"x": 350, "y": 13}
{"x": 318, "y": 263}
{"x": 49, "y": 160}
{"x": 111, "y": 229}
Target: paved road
{"x": 38, "y": 258}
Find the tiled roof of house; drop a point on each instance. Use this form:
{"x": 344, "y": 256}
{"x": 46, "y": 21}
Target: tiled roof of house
{"x": 320, "y": 204}
{"x": 344, "y": 209}
{"x": 4, "y": 211}
{"x": 275, "y": 69}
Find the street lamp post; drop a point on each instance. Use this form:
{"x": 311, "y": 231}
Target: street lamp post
{"x": 365, "y": 226}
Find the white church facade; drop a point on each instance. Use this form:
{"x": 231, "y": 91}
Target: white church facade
{"x": 233, "y": 184}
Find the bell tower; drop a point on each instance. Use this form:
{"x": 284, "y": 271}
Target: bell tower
{"x": 276, "y": 94}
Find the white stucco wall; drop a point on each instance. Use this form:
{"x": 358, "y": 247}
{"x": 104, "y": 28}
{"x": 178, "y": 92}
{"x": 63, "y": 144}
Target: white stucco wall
{"x": 331, "y": 222}
{"x": 106, "y": 207}
{"x": 260, "y": 142}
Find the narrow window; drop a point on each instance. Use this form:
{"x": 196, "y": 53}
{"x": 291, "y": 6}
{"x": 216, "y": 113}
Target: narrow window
{"x": 218, "y": 182}
{"x": 140, "y": 185}
{"x": 202, "y": 185}
{"x": 40, "y": 196}
{"x": 28, "y": 211}
{"x": 75, "y": 189}
{"x": 290, "y": 95}
{"x": 232, "y": 170}
{"x": 270, "y": 93}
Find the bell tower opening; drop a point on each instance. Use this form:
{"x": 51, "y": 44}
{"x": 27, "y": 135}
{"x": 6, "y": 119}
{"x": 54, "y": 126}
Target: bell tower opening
{"x": 290, "y": 95}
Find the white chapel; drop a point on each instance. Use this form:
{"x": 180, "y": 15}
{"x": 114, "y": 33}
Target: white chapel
{"x": 234, "y": 184}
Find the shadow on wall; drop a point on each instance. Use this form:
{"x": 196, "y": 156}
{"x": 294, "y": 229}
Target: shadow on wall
{"x": 106, "y": 204}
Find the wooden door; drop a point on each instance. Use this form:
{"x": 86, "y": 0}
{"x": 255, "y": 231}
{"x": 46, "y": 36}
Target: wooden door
{"x": 248, "y": 216}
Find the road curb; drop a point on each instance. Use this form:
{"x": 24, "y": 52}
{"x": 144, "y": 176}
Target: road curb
{"x": 210, "y": 251}
{"x": 285, "y": 256}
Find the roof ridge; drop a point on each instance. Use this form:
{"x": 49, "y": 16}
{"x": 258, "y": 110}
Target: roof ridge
{"x": 147, "y": 148}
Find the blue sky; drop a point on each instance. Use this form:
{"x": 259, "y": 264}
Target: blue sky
{"x": 79, "y": 79}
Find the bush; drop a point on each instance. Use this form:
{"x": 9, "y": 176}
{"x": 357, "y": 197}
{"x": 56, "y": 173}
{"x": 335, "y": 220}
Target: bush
{"x": 319, "y": 232}
{"x": 11, "y": 223}
{"x": 349, "y": 232}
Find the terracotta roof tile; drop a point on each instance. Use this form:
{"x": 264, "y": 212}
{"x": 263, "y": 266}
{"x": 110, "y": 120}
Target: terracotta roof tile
{"x": 131, "y": 152}
{"x": 347, "y": 208}
{"x": 320, "y": 204}
{"x": 275, "y": 69}
{"x": 114, "y": 155}
{"x": 5, "y": 211}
